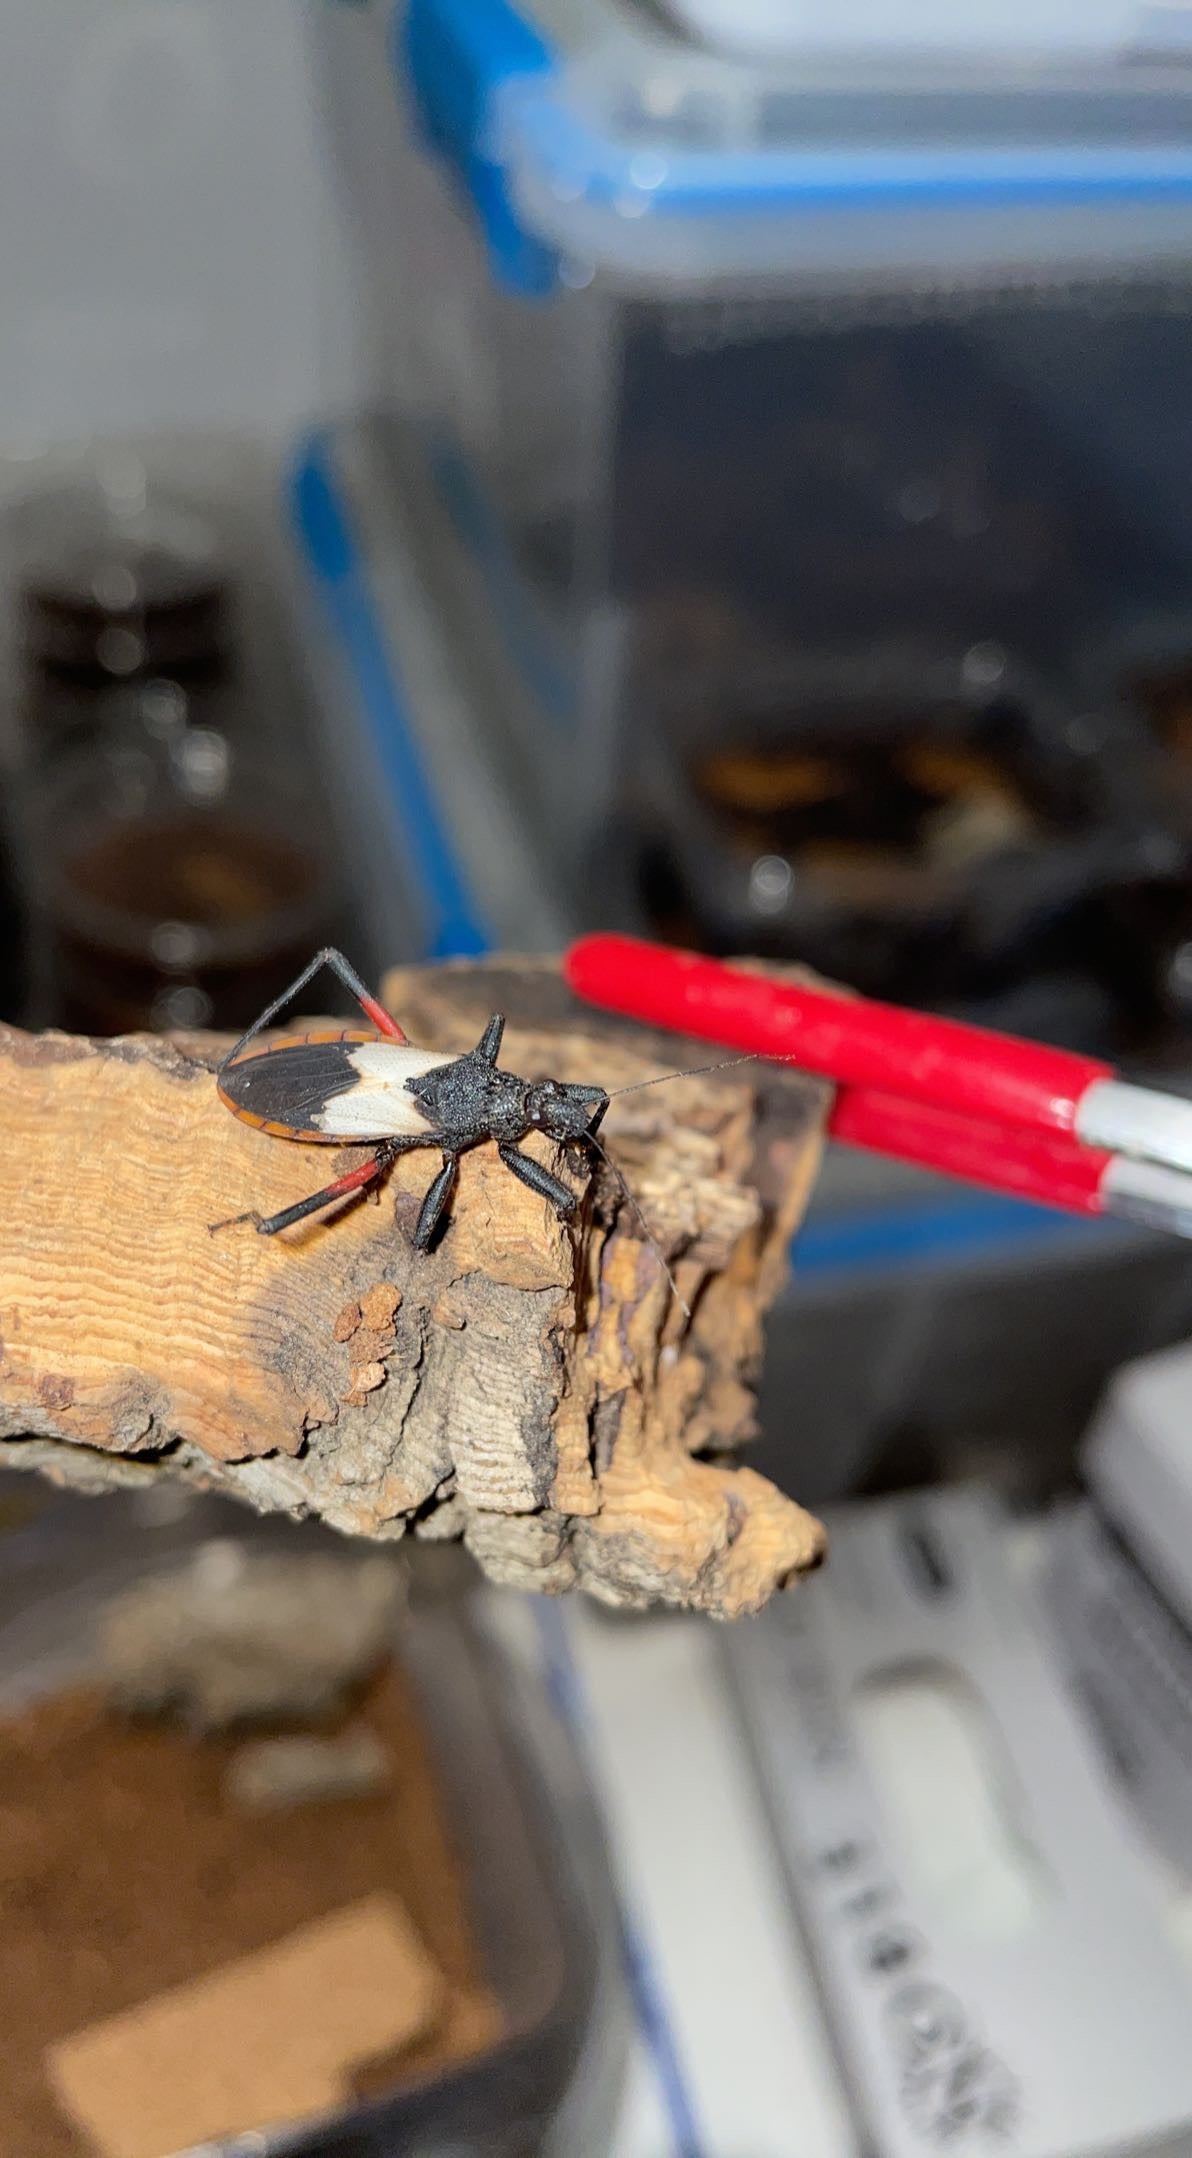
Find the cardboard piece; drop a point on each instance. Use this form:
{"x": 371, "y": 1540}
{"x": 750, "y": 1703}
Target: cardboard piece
{"x": 267, "y": 2039}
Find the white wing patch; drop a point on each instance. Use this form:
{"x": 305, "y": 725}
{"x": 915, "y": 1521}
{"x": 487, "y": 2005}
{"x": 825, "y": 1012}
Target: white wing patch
{"x": 380, "y": 1106}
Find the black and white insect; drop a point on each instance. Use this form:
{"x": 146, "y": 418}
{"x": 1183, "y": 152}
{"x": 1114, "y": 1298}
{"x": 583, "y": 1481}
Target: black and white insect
{"x": 346, "y": 1087}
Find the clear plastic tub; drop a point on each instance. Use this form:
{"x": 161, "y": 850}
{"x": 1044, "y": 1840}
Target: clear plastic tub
{"x": 515, "y": 1798}
{"x": 787, "y": 27}
{"x": 752, "y": 358}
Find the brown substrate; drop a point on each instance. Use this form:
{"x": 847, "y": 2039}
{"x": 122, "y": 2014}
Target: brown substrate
{"x": 123, "y": 1871}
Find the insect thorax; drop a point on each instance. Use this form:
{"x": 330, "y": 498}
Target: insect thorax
{"x": 467, "y": 1096}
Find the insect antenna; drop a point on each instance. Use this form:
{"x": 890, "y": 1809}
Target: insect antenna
{"x": 647, "y": 1232}
{"x": 696, "y": 1072}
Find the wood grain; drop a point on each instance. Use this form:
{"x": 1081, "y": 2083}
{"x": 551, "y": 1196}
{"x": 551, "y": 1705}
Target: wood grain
{"x": 533, "y": 1389}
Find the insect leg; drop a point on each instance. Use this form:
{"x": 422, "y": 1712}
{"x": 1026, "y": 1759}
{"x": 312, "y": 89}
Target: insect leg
{"x": 488, "y": 1048}
{"x": 355, "y": 1180}
{"x": 548, "y": 1187}
{"x": 435, "y": 1202}
{"x": 580, "y": 1155}
{"x": 347, "y": 974}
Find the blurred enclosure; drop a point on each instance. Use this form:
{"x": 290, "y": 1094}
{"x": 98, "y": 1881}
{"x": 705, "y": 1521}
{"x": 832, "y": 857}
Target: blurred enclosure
{"x": 476, "y": 470}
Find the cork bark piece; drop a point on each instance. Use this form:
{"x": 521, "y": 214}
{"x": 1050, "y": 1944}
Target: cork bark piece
{"x": 182, "y": 2069}
{"x": 535, "y": 1389}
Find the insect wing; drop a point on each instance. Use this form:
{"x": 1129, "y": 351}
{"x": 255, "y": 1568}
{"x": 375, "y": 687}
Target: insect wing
{"x": 345, "y": 1089}
{"x": 379, "y": 1104}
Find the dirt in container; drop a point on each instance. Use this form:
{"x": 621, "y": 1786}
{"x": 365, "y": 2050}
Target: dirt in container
{"x": 126, "y": 1869}
{"x": 204, "y": 902}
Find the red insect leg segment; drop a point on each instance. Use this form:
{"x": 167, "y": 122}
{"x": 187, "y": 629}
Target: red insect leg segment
{"x": 382, "y": 1021}
{"x": 388, "y": 1028}
{"x": 355, "y": 1180}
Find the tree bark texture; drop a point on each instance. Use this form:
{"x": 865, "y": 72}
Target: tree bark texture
{"x": 533, "y": 1388}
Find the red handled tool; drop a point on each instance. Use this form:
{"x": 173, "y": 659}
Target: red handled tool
{"x": 1042, "y": 1166}
{"x": 1047, "y": 1124}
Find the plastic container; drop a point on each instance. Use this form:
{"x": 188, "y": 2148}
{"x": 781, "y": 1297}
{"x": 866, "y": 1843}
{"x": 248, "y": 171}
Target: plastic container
{"x": 513, "y": 1791}
{"x": 989, "y": 1329}
{"x": 116, "y": 590}
{"x": 182, "y": 880}
{"x": 721, "y": 360}
{"x": 785, "y": 27}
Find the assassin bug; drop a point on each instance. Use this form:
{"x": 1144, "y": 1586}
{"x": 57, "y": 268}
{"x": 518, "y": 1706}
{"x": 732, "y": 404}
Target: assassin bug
{"x": 346, "y": 1087}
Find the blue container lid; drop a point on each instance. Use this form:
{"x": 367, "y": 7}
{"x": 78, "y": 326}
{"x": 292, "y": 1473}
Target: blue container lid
{"x": 623, "y": 153}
